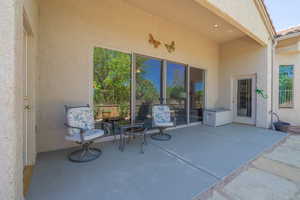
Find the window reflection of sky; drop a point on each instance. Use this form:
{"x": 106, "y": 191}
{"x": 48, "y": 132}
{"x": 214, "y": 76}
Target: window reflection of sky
{"x": 152, "y": 72}
{"x": 175, "y": 74}
{"x": 199, "y": 86}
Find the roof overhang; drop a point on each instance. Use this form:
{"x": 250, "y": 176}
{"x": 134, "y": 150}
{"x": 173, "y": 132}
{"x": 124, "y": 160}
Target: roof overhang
{"x": 288, "y": 36}
{"x": 266, "y": 17}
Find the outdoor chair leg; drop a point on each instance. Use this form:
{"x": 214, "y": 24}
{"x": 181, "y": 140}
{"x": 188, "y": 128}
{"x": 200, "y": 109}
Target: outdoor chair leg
{"x": 145, "y": 139}
{"x": 85, "y": 154}
{"x": 142, "y": 147}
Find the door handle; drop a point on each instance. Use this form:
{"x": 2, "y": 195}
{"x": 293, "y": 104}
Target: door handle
{"x": 27, "y": 107}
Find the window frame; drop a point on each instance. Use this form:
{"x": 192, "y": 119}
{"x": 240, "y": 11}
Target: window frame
{"x": 292, "y": 105}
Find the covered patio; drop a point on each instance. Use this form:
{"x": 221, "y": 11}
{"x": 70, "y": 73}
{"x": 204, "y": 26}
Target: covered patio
{"x": 197, "y": 158}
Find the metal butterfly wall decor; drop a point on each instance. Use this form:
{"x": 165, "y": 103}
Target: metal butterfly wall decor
{"x": 154, "y": 42}
{"x": 170, "y": 47}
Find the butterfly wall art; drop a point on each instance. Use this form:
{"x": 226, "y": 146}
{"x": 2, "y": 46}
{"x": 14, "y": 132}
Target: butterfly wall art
{"x": 170, "y": 47}
{"x": 154, "y": 42}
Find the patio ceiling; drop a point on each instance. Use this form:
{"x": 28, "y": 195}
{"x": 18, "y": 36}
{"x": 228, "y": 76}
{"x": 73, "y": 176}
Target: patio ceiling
{"x": 191, "y": 15}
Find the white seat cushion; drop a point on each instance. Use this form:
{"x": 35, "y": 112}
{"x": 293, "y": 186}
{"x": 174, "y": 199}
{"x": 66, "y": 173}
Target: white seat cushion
{"x": 88, "y": 135}
{"x": 81, "y": 117}
{"x": 165, "y": 124}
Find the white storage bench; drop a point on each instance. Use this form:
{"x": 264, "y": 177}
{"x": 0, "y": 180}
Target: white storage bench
{"x": 217, "y": 117}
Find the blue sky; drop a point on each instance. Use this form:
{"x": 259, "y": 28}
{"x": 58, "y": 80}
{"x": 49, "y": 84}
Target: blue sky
{"x": 153, "y": 73}
{"x": 284, "y": 13}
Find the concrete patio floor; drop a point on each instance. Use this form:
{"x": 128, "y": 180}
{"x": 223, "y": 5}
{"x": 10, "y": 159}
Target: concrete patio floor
{"x": 196, "y": 159}
{"x": 275, "y": 175}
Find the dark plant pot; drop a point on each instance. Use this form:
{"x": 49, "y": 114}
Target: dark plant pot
{"x": 281, "y": 126}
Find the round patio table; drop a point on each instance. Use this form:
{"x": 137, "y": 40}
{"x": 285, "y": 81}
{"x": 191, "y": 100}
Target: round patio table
{"x": 137, "y": 129}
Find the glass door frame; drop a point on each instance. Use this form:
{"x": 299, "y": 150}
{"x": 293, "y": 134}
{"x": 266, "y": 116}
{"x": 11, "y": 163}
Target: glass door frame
{"x": 239, "y": 119}
{"x": 164, "y": 85}
{"x": 205, "y": 93}
{"x": 133, "y": 82}
{"x": 186, "y": 85}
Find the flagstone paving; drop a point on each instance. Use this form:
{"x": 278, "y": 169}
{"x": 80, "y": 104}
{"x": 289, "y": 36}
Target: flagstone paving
{"x": 275, "y": 175}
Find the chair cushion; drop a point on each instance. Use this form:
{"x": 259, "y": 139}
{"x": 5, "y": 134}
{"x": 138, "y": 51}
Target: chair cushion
{"x": 166, "y": 124}
{"x": 161, "y": 114}
{"x": 88, "y": 135}
{"x": 81, "y": 117}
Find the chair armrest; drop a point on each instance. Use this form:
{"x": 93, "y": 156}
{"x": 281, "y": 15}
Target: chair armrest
{"x": 106, "y": 127}
{"x": 173, "y": 117}
{"x": 80, "y": 129}
{"x": 69, "y": 126}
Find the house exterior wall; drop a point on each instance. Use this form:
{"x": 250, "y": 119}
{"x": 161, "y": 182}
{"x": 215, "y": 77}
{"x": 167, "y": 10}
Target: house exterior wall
{"x": 246, "y": 57}
{"x": 11, "y": 105}
{"x": 10, "y": 164}
{"x": 68, "y": 34}
{"x": 243, "y": 14}
{"x": 288, "y": 55}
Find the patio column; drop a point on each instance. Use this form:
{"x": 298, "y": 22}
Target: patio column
{"x": 10, "y": 100}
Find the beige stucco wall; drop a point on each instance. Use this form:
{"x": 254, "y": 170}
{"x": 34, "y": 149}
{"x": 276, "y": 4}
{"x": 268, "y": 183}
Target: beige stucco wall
{"x": 245, "y": 57}
{"x": 288, "y": 55}
{"x": 10, "y": 156}
{"x": 68, "y": 33}
{"x": 243, "y": 14}
{"x": 11, "y": 105}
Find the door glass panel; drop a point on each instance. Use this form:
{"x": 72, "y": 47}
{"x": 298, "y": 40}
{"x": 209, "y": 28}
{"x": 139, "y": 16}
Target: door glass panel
{"x": 176, "y": 91}
{"x": 148, "y": 85}
{"x": 197, "y": 93}
{"x": 244, "y": 98}
{"x": 112, "y": 71}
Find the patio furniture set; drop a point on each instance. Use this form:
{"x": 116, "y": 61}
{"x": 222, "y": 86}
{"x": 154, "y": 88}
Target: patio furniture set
{"x": 83, "y": 131}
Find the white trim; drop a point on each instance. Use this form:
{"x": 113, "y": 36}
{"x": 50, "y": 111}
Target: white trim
{"x": 164, "y": 80}
{"x": 288, "y": 36}
{"x": 187, "y": 82}
{"x": 133, "y": 88}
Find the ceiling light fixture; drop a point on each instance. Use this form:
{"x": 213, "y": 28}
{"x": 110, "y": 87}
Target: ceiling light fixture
{"x": 216, "y": 26}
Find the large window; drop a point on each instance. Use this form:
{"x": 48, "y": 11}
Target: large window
{"x": 286, "y": 86}
{"x": 176, "y": 91}
{"x": 148, "y": 85}
{"x": 126, "y": 87}
{"x": 112, "y": 77}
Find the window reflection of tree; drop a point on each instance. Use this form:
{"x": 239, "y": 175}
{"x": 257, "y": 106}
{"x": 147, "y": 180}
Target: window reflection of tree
{"x": 112, "y": 71}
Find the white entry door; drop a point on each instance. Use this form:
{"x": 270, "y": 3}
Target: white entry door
{"x": 244, "y": 99}
{"x": 27, "y": 115}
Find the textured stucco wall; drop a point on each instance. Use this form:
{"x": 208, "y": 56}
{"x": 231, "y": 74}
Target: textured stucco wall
{"x": 10, "y": 137}
{"x": 244, "y": 57}
{"x": 11, "y": 90}
{"x": 288, "y": 57}
{"x": 244, "y": 13}
{"x": 68, "y": 33}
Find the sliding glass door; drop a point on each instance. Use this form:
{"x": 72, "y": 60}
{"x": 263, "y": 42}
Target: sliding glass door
{"x": 126, "y": 86}
{"x": 176, "y": 91}
{"x": 148, "y": 87}
{"x": 111, "y": 85}
{"x": 196, "y": 94}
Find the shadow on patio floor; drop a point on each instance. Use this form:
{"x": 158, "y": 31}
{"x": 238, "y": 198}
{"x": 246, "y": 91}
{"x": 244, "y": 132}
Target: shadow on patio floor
{"x": 195, "y": 159}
